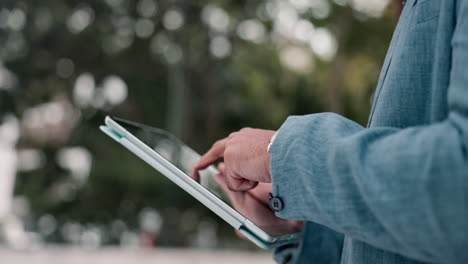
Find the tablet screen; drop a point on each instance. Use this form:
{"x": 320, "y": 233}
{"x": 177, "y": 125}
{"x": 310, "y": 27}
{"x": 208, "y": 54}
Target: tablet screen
{"x": 174, "y": 151}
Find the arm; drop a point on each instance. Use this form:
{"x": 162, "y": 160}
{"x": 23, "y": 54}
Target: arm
{"x": 402, "y": 190}
{"x": 319, "y": 244}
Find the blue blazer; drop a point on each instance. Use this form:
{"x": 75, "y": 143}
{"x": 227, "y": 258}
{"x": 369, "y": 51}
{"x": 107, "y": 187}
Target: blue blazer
{"x": 395, "y": 191}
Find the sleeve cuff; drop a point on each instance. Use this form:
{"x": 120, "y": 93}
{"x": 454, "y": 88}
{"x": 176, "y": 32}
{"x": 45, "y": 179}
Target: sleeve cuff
{"x": 281, "y": 182}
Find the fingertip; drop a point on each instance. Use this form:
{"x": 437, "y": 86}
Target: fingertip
{"x": 194, "y": 174}
{"x": 240, "y": 235}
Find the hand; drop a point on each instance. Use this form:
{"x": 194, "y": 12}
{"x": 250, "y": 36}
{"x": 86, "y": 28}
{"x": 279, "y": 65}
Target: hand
{"x": 254, "y": 205}
{"x": 246, "y": 159}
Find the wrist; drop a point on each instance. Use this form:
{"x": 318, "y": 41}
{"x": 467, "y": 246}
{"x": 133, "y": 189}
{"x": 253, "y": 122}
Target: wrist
{"x": 267, "y": 159}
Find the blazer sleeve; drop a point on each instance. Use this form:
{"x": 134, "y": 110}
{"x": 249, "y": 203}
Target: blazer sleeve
{"x": 401, "y": 190}
{"x": 318, "y": 244}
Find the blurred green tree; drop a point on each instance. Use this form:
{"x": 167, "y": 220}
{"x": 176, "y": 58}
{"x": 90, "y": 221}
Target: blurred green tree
{"x": 201, "y": 69}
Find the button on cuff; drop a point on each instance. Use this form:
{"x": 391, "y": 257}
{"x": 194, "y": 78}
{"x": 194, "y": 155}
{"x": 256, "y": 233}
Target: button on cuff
{"x": 276, "y": 204}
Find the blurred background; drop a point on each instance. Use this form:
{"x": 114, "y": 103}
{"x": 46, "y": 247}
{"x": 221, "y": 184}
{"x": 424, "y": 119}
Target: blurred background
{"x": 200, "y": 69}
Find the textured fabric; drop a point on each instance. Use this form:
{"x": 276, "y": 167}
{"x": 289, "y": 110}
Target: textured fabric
{"x": 322, "y": 245}
{"x": 398, "y": 189}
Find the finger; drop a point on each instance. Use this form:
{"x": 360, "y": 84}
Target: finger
{"x": 238, "y": 184}
{"x": 240, "y": 235}
{"x": 233, "y": 134}
{"x": 221, "y": 181}
{"x": 234, "y": 197}
{"x": 215, "y": 153}
{"x": 222, "y": 168}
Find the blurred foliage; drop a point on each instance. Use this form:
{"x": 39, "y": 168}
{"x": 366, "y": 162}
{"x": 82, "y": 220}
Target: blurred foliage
{"x": 179, "y": 65}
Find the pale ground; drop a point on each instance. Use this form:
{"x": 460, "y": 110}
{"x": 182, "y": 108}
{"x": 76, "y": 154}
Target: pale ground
{"x": 130, "y": 256}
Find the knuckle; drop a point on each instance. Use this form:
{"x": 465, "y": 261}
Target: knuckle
{"x": 228, "y": 154}
{"x": 233, "y": 134}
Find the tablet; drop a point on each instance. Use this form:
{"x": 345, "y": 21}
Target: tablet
{"x": 174, "y": 159}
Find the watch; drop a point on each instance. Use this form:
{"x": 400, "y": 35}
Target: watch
{"x": 271, "y": 141}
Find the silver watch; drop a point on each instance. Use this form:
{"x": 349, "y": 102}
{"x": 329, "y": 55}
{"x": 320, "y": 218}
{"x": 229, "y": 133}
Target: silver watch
{"x": 271, "y": 142}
